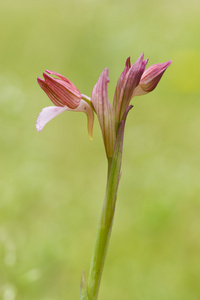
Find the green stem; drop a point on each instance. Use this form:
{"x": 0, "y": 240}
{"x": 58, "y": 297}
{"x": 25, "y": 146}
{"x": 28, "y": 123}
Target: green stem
{"x": 104, "y": 230}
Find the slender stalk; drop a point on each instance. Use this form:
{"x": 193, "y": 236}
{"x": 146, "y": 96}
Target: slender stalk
{"x": 103, "y": 234}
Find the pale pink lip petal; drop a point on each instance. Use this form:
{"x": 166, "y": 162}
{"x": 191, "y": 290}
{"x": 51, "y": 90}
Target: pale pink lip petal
{"x": 50, "y": 112}
{"x": 47, "y": 114}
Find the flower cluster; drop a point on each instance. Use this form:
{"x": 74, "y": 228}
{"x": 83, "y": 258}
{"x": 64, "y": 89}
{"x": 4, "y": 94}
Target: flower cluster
{"x": 134, "y": 81}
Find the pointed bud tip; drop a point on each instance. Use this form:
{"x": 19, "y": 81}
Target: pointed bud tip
{"x": 44, "y": 74}
{"x": 39, "y": 79}
{"x": 128, "y": 62}
{"x": 50, "y": 72}
{"x": 142, "y": 56}
{"x": 106, "y": 74}
{"x": 169, "y": 62}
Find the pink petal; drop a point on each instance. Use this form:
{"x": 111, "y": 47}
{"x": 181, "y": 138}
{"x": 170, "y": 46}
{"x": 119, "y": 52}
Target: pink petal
{"x": 52, "y": 96}
{"x": 104, "y": 111}
{"x": 66, "y": 82}
{"x": 119, "y": 86}
{"x": 65, "y": 91}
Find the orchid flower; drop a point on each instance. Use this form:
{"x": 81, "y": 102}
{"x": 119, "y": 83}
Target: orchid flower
{"x": 66, "y": 97}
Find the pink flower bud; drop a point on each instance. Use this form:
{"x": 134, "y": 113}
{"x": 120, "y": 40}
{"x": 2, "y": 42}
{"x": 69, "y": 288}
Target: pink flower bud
{"x": 60, "y": 90}
{"x": 150, "y": 78}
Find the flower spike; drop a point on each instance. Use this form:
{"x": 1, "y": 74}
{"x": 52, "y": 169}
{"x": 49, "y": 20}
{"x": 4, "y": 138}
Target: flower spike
{"x": 133, "y": 81}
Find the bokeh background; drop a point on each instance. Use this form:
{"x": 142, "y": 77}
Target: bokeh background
{"x": 52, "y": 183}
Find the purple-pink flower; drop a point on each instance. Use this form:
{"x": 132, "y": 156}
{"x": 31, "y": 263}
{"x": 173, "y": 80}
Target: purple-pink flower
{"x": 66, "y": 97}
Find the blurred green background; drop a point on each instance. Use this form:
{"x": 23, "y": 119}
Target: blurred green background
{"x": 52, "y": 183}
